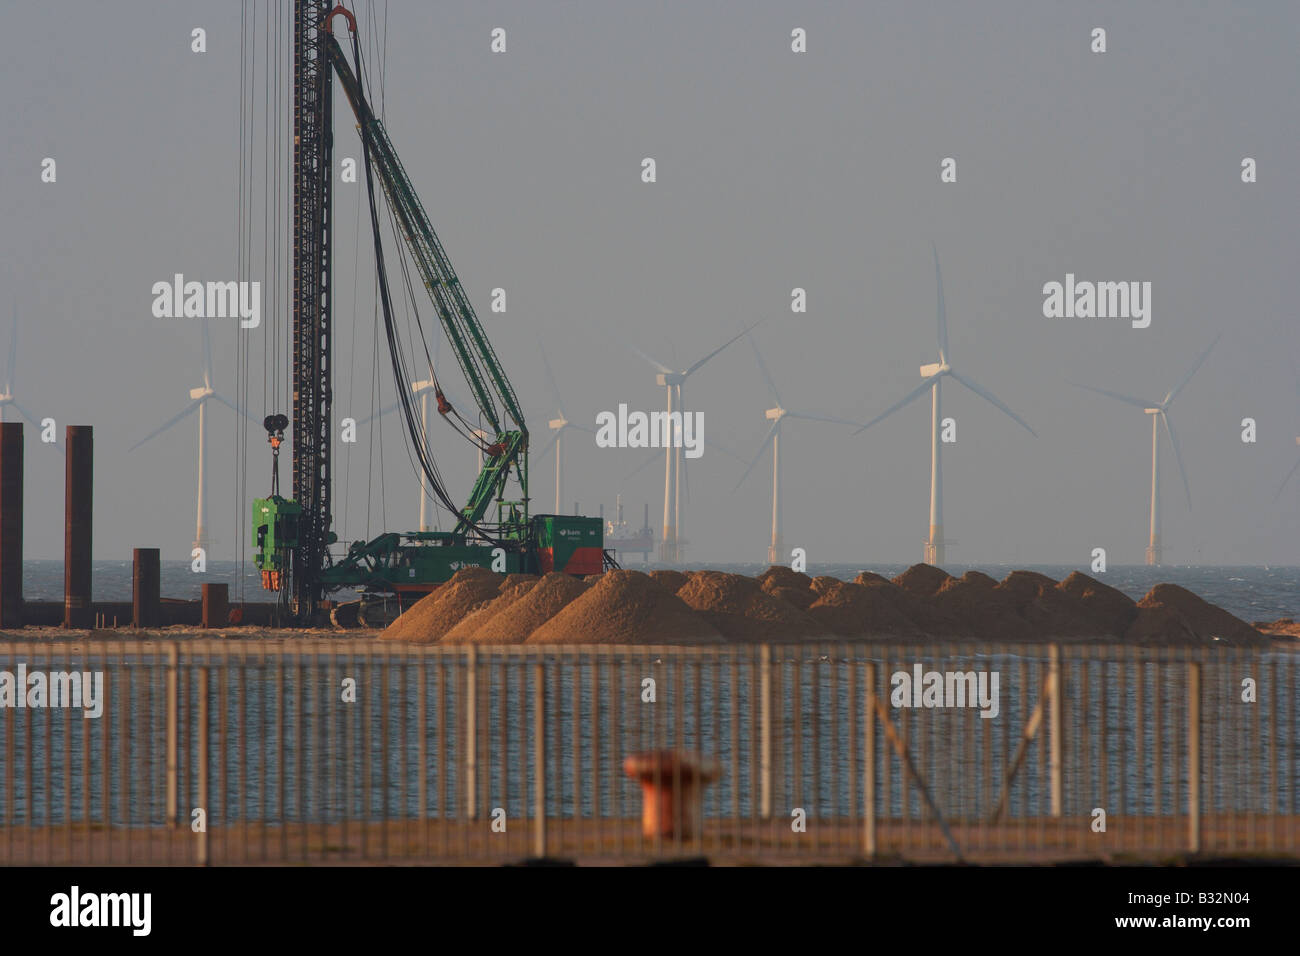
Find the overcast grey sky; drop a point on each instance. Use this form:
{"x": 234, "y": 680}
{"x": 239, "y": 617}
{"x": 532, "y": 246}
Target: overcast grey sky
{"x": 775, "y": 170}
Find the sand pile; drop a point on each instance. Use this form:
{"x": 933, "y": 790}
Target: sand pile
{"x": 1169, "y": 614}
{"x": 972, "y": 607}
{"x": 513, "y": 587}
{"x": 854, "y": 610}
{"x": 923, "y": 580}
{"x": 429, "y": 618}
{"x": 669, "y": 580}
{"x": 547, "y": 598}
{"x": 1110, "y": 612}
{"x": 742, "y": 611}
{"x": 793, "y": 587}
{"x": 871, "y": 578}
{"x": 626, "y": 607}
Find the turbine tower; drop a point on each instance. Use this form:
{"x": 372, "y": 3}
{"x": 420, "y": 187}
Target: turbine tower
{"x": 777, "y": 415}
{"x": 558, "y": 425}
{"x": 933, "y": 375}
{"x": 199, "y": 398}
{"x": 672, "y": 547}
{"x": 1159, "y": 412}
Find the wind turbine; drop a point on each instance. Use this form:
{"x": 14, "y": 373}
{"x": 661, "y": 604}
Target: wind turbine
{"x": 199, "y": 398}
{"x": 672, "y": 547}
{"x": 1159, "y": 412}
{"x": 557, "y": 425}
{"x": 777, "y": 415}
{"x": 7, "y": 395}
{"x": 933, "y": 375}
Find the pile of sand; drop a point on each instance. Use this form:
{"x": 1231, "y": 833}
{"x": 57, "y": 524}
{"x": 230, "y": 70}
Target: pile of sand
{"x": 429, "y": 618}
{"x": 972, "y": 607}
{"x": 513, "y": 587}
{"x": 870, "y": 578}
{"x": 793, "y": 587}
{"x": 626, "y": 607}
{"x": 742, "y": 611}
{"x": 547, "y": 598}
{"x": 923, "y": 580}
{"x": 1107, "y": 610}
{"x": 669, "y": 580}
{"x": 1169, "y": 614}
{"x": 854, "y": 610}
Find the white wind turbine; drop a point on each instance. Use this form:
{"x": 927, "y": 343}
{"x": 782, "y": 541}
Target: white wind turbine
{"x": 672, "y": 546}
{"x": 1159, "y": 412}
{"x": 199, "y": 398}
{"x": 933, "y": 374}
{"x": 777, "y": 415}
{"x": 558, "y": 425}
{"x": 7, "y": 398}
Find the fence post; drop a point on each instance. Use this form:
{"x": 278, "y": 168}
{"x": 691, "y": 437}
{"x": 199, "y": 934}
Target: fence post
{"x": 765, "y": 730}
{"x": 1054, "y": 733}
{"x": 173, "y": 653}
{"x": 1194, "y": 756}
{"x": 202, "y": 759}
{"x": 539, "y": 758}
{"x": 869, "y": 765}
{"x": 471, "y": 733}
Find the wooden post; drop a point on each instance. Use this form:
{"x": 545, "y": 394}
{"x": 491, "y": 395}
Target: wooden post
{"x": 173, "y": 652}
{"x": 1054, "y": 731}
{"x": 1194, "y": 756}
{"x": 202, "y": 758}
{"x": 869, "y": 766}
{"x": 471, "y": 734}
{"x": 765, "y": 730}
{"x": 539, "y": 758}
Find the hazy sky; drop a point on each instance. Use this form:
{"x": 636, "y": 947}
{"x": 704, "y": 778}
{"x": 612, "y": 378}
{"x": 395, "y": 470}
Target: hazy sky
{"x": 775, "y": 170}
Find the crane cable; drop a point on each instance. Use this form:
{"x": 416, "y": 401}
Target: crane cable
{"x": 398, "y": 362}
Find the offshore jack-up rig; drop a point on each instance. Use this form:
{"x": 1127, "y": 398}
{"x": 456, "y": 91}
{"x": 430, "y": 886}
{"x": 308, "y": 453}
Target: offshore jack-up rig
{"x": 293, "y": 535}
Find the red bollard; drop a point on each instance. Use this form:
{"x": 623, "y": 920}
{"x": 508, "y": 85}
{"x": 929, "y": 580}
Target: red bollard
{"x": 667, "y": 777}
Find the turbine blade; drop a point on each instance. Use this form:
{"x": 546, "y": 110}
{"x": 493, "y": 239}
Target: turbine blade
{"x": 767, "y": 440}
{"x": 942, "y": 311}
{"x": 822, "y": 418}
{"x": 233, "y": 407}
{"x": 656, "y": 454}
{"x": 1188, "y": 377}
{"x": 168, "y": 424}
{"x": 1282, "y": 487}
{"x": 549, "y": 445}
{"x": 762, "y": 367}
{"x": 721, "y": 347}
{"x": 1127, "y": 399}
{"x": 654, "y": 362}
{"x": 550, "y": 378}
{"x": 1178, "y": 455}
{"x": 911, "y": 396}
{"x": 32, "y": 418}
{"x": 993, "y": 399}
{"x": 380, "y": 414}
